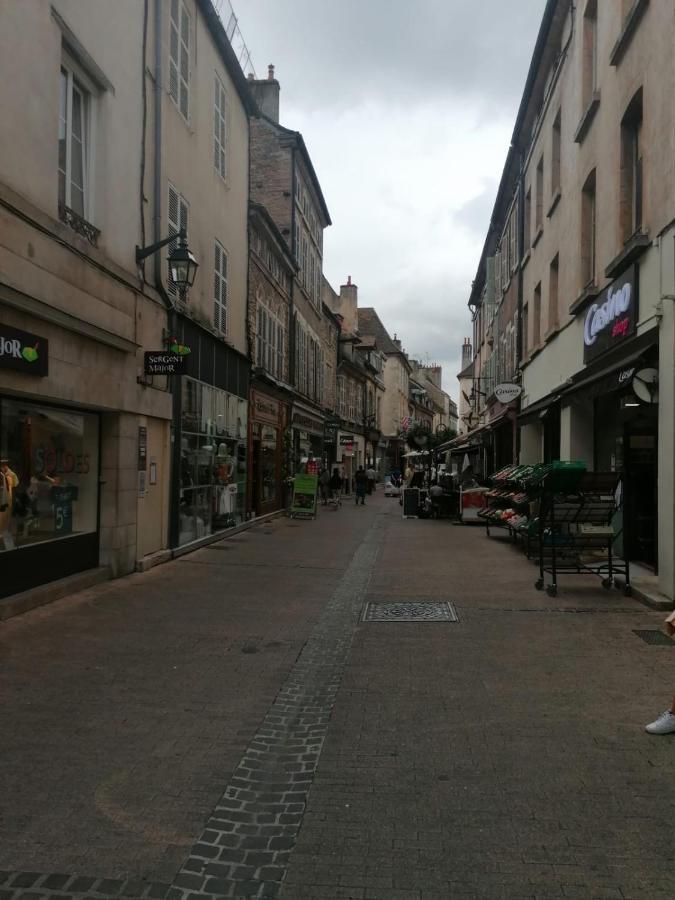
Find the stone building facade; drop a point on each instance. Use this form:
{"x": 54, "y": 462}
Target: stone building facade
{"x": 84, "y": 438}
{"x": 284, "y": 181}
{"x": 591, "y": 170}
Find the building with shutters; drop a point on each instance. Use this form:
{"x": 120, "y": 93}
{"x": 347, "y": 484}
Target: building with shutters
{"x": 283, "y": 180}
{"x": 590, "y": 171}
{"x": 395, "y": 417}
{"x": 84, "y": 437}
{"x": 360, "y": 386}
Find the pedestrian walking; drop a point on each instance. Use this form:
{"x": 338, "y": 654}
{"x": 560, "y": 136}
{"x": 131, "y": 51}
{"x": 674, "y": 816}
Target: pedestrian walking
{"x": 336, "y": 487}
{"x": 324, "y": 485}
{"x": 361, "y": 480}
{"x": 371, "y": 476}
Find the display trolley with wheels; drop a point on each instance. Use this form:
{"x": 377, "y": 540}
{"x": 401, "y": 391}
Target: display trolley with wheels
{"x": 576, "y": 534}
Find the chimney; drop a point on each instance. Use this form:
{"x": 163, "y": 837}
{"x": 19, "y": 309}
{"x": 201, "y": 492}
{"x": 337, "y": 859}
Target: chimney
{"x": 266, "y": 94}
{"x": 397, "y": 343}
{"x": 348, "y": 304}
{"x": 467, "y": 353}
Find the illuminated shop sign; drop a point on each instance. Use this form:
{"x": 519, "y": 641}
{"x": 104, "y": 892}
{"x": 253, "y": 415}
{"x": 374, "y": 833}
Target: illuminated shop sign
{"x": 23, "y": 351}
{"x": 612, "y": 317}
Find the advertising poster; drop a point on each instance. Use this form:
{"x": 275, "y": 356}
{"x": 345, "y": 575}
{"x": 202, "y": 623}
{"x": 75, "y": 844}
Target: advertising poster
{"x": 304, "y": 495}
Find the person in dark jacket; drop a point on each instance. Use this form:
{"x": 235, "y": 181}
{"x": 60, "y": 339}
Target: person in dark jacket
{"x": 361, "y": 480}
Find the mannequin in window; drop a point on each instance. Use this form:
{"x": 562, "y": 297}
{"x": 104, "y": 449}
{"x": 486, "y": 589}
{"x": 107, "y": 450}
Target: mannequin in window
{"x": 9, "y": 481}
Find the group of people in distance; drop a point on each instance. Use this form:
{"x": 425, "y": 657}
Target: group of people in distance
{"x": 331, "y": 486}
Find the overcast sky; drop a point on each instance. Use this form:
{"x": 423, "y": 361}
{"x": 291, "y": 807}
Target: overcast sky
{"x": 407, "y": 110}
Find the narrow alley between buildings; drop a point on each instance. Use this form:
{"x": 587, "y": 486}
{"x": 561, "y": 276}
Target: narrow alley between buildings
{"x": 255, "y": 720}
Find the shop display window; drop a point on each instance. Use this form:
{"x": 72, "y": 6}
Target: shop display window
{"x": 48, "y": 473}
{"x": 213, "y": 460}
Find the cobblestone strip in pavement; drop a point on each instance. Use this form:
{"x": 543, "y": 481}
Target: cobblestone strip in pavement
{"x": 57, "y": 886}
{"x": 245, "y": 848}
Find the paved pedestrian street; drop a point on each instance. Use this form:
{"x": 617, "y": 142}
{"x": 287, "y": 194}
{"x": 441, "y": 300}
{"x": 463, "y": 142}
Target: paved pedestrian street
{"x": 228, "y": 725}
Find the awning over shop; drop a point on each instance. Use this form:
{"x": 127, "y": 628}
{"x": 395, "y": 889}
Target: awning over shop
{"x": 605, "y": 376}
{"x": 536, "y": 409}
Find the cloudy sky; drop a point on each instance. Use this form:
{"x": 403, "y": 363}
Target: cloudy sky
{"x": 407, "y": 110}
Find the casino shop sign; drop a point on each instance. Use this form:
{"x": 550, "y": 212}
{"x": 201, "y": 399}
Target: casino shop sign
{"x": 613, "y": 315}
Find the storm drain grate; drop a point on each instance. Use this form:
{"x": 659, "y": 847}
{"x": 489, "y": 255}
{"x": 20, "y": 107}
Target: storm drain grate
{"x": 431, "y": 611}
{"x": 653, "y": 636}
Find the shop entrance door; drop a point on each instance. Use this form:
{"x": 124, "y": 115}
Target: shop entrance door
{"x": 641, "y": 507}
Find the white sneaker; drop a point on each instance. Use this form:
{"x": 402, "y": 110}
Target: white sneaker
{"x": 665, "y": 724}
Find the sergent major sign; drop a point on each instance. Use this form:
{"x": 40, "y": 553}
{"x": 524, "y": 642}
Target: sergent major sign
{"x": 612, "y": 317}
{"x": 25, "y": 352}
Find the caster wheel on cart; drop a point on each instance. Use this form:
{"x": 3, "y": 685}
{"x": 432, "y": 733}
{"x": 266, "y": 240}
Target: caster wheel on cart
{"x": 627, "y": 590}
{"x": 607, "y": 583}
{"x": 552, "y": 590}
{"x": 539, "y": 584}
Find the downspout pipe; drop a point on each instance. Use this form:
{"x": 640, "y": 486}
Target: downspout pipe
{"x": 172, "y": 319}
{"x": 521, "y": 247}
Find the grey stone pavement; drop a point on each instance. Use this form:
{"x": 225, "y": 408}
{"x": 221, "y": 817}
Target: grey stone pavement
{"x": 226, "y": 726}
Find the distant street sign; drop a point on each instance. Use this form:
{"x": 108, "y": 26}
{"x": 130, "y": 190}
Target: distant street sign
{"x": 159, "y": 362}
{"x": 507, "y": 392}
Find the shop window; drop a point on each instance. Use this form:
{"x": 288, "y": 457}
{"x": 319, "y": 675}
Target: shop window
{"x": 48, "y": 474}
{"x": 213, "y": 460}
{"x": 631, "y": 168}
{"x": 588, "y": 218}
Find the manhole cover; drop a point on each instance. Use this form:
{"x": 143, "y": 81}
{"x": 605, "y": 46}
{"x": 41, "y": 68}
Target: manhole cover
{"x": 432, "y": 611}
{"x": 653, "y": 636}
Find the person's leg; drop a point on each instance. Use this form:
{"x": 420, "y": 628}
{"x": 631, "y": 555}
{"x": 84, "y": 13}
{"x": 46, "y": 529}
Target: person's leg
{"x": 665, "y": 724}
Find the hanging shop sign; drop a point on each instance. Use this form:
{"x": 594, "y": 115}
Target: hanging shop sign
{"x": 23, "y": 351}
{"x": 613, "y": 317}
{"x": 265, "y": 409}
{"x": 307, "y": 423}
{"x": 161, "y": 362}
{"x": 507, "y": 392}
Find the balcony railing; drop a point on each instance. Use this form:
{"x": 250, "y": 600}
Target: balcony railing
{"x": 78, "y": 224}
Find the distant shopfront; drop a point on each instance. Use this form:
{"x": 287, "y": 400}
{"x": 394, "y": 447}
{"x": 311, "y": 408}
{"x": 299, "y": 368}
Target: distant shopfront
{"x": 210, "y": 427}
{"x": 308, "y": 429}
{"x": 268, "y": 415}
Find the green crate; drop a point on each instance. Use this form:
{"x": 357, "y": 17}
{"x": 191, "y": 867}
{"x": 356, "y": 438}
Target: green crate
{"x": 565, "y": 475}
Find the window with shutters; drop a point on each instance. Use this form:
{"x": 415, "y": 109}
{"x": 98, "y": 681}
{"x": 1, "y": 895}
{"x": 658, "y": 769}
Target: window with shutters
{"x": 498, "y": 275}
{"x": 177, "y": 219}
{"x": 220, "y": 128}
{"x": 270, "y": 340}
{"x": 179, "y": 58}
{"x": 220, "y": 289}
{"x": 513, "y": 240}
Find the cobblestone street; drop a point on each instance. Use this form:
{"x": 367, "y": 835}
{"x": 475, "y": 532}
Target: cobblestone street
{"x": 226, "y": 725}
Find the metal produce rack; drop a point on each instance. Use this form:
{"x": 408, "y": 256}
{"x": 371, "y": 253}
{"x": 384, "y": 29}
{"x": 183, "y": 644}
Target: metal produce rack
{"x": 576, "y": 522}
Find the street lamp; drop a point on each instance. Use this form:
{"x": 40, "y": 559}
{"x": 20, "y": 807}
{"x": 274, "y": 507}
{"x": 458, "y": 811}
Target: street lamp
{"x": 182, "y": 262}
